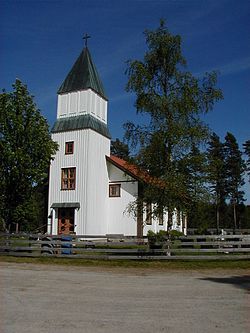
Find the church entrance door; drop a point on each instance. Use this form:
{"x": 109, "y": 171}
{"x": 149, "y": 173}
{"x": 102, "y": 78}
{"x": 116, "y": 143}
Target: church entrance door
{"x": 66, "y": 221}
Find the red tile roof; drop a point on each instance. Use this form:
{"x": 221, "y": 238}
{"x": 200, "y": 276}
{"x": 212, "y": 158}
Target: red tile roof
{"x": 134, "y": 171}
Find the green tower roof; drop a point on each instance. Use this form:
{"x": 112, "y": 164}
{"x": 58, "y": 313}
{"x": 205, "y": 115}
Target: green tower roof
{"x": 82, "y": 76}
{"x": 81, "y": 122}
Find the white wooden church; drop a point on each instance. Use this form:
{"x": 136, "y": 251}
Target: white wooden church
{"x": 90, "y": 190}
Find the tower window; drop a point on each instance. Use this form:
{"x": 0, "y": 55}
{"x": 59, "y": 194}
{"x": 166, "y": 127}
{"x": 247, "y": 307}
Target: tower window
{"x": 68, "y": 180}
{"x": 115, "y": 190}
{"x": 69, "y": 148}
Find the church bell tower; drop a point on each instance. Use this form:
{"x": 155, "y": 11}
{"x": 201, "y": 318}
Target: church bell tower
{"x": 78, "y": 183}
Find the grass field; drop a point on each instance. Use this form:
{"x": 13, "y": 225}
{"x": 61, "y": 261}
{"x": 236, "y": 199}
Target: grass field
{"x": 162, "y": 265}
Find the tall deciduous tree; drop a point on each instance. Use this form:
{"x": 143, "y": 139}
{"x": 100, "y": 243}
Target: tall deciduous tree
{"x": 216, "y": 173}
{"x": 235, "y": 168}
{"x": 173, "y": 100}
{"x": 26, "y": 150}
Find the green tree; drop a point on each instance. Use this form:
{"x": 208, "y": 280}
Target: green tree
{"x": 216, "y": 174}
{"x": 201, "y": 217}
{"x": 26, "y": 150}
{"x": 172, "y": 100}
{"x": 193, "y": 167}
{"x": 246, "y": 146}
{"x": 235, "y": 168}
{"x": 119, "y": 149}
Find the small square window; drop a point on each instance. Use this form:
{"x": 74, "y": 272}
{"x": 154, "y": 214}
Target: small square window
{"x": 69, "y": 148}
{"x": 115, "y": 190}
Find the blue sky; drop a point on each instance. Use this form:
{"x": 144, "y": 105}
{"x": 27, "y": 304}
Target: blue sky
{"x": 40, "y": 40}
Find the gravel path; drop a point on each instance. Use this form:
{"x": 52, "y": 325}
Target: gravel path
{"x": 56, "y": 299}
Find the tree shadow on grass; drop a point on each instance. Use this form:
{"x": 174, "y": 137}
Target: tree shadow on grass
{"x": 242, "y": 282}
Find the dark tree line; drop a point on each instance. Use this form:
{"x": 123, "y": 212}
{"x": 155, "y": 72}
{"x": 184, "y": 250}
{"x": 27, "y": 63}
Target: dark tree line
{"x": 225, "y": 174}
{"x": 246, "y": 146}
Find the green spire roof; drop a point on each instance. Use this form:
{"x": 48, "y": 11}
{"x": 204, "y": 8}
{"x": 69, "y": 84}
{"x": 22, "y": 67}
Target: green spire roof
{"x": 82, "y": 76}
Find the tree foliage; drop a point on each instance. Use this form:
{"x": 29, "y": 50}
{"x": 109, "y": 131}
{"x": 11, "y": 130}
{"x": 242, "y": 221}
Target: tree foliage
{"x": 216, "y": 174}
{"x": 235, "y": 168}
{"x": 225, "y": 175}
{"x": 203, "y": 217}
{"x": 119, "y": 149}
{"x": 172, "y": 100}
{"x": 246, "y": 146}
{"x": 26, "y": 150}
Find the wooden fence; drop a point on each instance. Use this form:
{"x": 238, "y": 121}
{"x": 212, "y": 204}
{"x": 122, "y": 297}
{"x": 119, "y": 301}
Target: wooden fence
{"x": 214, "y": 231}
{"x": 115, "y": 247}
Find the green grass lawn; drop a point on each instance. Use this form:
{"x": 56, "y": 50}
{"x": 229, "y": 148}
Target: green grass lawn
{"x": 145, "y": 264}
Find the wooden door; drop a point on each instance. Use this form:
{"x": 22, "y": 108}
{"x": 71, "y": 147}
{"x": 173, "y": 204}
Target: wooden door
{"x": 66, "y": 221}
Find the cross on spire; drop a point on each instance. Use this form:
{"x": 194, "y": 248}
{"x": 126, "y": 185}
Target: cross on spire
{"x": 86, "y": 37}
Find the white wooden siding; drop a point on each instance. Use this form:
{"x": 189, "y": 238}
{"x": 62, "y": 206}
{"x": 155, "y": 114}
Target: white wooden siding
{"x": 156, "y": 227}
{"x": 82, "y": 102}
{"x": 119, "y": 220}
{"x": 97, "y": 184}
{"x": 90, "y": 149}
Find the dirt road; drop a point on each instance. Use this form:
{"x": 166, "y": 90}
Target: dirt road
{"x": 45, "y": 298}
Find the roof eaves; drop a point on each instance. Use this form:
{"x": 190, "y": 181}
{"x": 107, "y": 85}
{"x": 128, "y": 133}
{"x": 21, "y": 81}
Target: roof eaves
{"x": 80, "y": 122}
{"x": 135, "y": 172}
{"x": 124, "y": 168}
